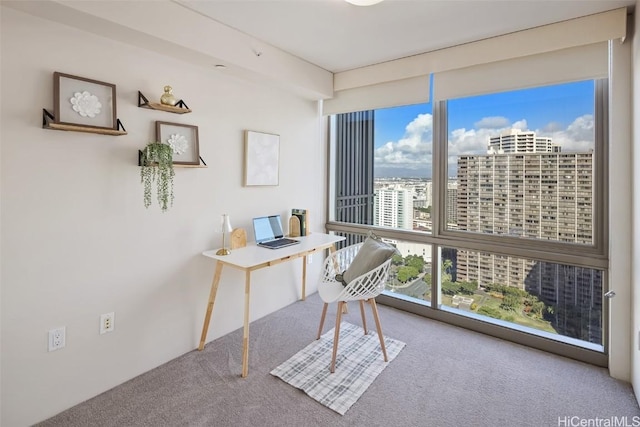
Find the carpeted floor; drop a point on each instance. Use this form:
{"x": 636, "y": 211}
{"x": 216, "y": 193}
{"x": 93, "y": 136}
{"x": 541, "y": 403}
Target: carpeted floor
{"x": 358, "y": 364}
{"x": 445, "y": 376}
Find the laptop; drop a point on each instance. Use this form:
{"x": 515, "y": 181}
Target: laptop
{"x": 268, "y": 232}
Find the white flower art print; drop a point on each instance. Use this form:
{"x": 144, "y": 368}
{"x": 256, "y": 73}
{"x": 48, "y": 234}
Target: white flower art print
{"x": 86, "y": 104}
{"x": 178, "y": 143}
{"x": 183, "y": 140}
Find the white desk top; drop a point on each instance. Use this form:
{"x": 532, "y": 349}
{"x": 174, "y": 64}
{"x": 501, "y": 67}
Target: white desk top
{"x": 253, "y": 255}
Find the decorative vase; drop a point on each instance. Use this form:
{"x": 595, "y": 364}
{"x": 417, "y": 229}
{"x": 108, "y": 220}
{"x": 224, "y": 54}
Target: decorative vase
{"x": 167, "y": 97}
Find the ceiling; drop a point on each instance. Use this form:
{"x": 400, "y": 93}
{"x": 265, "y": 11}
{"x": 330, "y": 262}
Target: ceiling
{"x": 338, "y": 36}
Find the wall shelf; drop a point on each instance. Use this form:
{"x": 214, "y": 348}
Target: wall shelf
{"x": 179, "y": 108}
{"x": 48, "y": 122}
{"x": 201, "y": 165}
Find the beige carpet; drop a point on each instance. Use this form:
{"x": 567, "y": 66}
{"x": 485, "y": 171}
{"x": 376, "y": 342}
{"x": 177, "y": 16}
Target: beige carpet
{"x": 358, "y": 363}
{"x": 445, "y": 376}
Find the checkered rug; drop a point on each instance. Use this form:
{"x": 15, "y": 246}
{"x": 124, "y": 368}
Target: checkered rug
{"x": 358, "y": 363}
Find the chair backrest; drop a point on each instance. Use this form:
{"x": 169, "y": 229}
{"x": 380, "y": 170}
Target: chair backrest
{"x": 365, "y": 286}
{"x": 368, "y": 285}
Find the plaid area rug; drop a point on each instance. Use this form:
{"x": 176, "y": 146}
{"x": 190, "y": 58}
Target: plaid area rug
{"x": 358, "y": 363}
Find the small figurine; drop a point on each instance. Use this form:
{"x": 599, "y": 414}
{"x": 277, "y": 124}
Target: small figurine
{"x": 167, "y": 97}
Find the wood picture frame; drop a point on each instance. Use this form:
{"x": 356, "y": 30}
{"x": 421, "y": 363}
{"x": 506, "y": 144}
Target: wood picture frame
{"x": 261, "y": 159}
{"x": 183, "y": 139}
{"x": 79, "y": 101}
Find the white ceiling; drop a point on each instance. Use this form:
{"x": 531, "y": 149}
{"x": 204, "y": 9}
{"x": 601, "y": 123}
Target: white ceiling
{"x": 338, "y": 36}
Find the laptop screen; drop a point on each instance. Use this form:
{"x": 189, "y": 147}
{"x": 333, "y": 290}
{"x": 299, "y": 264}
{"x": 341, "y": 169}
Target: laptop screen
{"x": 267, "y": 228}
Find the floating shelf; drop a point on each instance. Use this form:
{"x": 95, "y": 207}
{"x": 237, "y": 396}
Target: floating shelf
{"x": 48, "y": 122}
{"x": 179, "y": 108}
{"x": 201, "y": 165}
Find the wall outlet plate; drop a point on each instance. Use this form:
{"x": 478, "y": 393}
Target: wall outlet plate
{"x": 57, "y": 338}
{"x": 107, "y": 322}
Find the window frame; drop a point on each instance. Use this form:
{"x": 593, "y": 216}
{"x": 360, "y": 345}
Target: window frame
{"x": 595, "y": 255}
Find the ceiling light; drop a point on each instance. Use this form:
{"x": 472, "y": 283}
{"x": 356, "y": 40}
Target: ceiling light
{"x": 363, "y": 2}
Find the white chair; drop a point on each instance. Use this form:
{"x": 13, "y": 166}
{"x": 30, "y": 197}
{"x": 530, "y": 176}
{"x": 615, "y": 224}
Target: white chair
{"x": 362, "y": 288}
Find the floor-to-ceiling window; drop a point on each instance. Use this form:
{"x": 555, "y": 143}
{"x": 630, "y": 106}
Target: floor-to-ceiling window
{"x": 524, "y": 164}
{"x": 496, "y": 204}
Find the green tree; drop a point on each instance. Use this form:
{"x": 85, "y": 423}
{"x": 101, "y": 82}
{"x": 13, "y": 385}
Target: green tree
{"x": 511, "y": 302}
{"x": 415, "y": 261}
{"x": 397, "y": 260}
{"x": 406, "y": 273}
{"x": 468, "y": 288}
{"x": 538, "y": 309}
{"x": 449, "y": 288}
{"x": 445, "y": 270}
{"x": 427, "y": 279}
{"x": 490, "y": 311}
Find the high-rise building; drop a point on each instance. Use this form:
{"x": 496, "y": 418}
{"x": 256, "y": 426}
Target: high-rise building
{"x": 545, "y": 196}
{"x": 428, "y": 193}
{"x": 452, "y": 198}
{"x": 526, "y": 187}
{"x": 393, "y": 208}
{"x": 519, "y": 141}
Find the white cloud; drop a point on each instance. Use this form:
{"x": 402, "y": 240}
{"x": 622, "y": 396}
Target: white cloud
{"x": 411, "y": 155}
{"x": 578, "y": 136}
{"x": 496, "y": 122}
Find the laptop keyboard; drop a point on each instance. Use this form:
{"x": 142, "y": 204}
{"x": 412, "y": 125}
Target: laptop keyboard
{"x": 279, "y": 242}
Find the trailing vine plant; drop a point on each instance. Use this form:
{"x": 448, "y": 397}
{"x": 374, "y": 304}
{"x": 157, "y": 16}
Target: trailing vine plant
{"x": 156, "y": 166}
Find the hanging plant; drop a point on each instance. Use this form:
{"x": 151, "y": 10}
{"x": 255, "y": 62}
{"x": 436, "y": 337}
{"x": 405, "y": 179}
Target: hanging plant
{"x": 156, "y": 166}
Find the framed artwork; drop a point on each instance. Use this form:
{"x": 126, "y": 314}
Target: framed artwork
{"x": 84, "y": 102}
{"x": 261, "y": 158}
{"x": 183, "y": 139}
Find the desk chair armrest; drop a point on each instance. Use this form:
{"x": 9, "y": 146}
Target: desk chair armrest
{"x": 338, "y": 261}
{"x": 368, "y": 285}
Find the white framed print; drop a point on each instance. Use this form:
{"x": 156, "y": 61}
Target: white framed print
{"x": 183, "y": 139}
{"x": 86, "y": 102}
{"x": 261, "y": 158}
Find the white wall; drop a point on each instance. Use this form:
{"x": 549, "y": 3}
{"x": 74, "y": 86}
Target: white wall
{"x": 77, "y": 241}
{"x": 620, "y": 210}
{"x": 635, "y": 225}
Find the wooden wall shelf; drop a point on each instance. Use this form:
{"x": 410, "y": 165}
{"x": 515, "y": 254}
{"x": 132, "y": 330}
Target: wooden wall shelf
{"x": 180, "y": 108}
{"x": 201, "y": 165}
{"x": 48, "y": 122}
{"x": 191, "y": 166}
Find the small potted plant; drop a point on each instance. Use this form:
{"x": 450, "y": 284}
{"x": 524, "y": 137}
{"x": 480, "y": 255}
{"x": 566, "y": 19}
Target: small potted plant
{"x": 156, "y": 166}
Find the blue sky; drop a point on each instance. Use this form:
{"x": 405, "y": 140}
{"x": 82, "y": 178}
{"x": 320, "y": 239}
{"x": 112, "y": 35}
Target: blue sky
{"x": 403, "y": 135}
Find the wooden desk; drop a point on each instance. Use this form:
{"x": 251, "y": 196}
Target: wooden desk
{"x": 253, "y": 257}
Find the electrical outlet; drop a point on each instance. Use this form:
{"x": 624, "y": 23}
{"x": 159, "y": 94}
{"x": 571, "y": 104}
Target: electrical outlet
{"x": 57, "y": 338}
{"x": 107, "y": 322}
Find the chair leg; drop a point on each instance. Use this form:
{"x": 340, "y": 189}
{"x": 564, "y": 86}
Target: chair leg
{"x": 324, "y": 313}
{"x": 364, "y": 319}
{"x": 374, "y": 308}
{"x": 336, "y": 336}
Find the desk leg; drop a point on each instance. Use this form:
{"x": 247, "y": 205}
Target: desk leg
{"x": 212, "y": 300}
{"x": 245, "y": 334}
{"x": 304, "y": 277}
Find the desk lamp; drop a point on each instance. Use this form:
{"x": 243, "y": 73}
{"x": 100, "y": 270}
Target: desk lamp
{"x": 225, "y": 228}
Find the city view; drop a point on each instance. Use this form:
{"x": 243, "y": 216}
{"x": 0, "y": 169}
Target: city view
{"x": 503, "y": 179}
